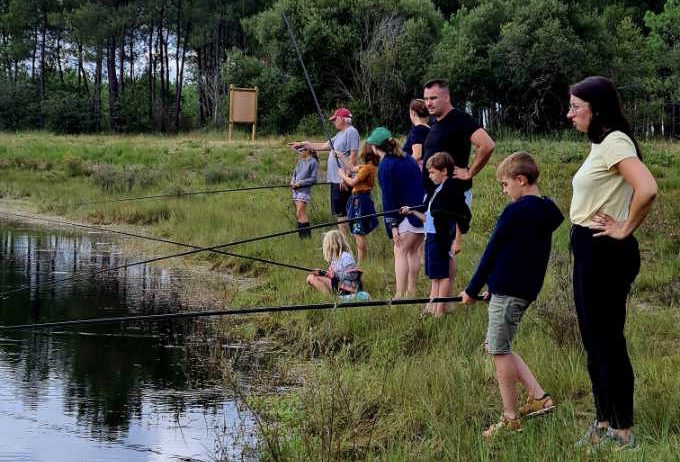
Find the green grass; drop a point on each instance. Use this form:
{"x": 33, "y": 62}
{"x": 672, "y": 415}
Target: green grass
{"x": 375, "y": 383}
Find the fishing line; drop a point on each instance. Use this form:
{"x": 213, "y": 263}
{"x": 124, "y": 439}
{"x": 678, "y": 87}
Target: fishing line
{"x": 205, "y": 249}
{"x": 192, "y": 193}
{"x": 311, "y": 88}
{"x": 240, "y": 311}
{"x": 157, "y": 239}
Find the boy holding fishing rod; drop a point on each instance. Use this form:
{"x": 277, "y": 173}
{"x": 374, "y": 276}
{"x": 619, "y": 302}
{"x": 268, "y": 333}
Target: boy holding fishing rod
{"x": 513, "y": 267}
{"x": 443, "y": 212}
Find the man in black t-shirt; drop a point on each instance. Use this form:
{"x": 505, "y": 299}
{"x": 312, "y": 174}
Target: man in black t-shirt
{"x": 453, "y": 131}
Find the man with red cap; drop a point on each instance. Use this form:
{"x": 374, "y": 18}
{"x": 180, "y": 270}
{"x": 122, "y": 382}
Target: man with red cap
{"x": 345, "y": 146}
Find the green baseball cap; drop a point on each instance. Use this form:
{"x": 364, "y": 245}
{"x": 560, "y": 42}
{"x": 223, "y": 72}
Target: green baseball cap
{"x": 378, "y": 136}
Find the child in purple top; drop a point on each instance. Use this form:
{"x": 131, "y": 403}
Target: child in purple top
{"x": 342, "y": 277}
{"x": 304, "y": 176}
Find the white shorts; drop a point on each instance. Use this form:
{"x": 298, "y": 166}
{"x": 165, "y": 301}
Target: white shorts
{"x": 406, "y": 227}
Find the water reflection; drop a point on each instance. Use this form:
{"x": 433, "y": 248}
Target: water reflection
{"x": 114, "y": 392}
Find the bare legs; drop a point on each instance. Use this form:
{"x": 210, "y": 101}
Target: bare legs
{"x": 320, "y": 283}
{"x": 300, "y": 212}
{"x": 407, "y": 264}
{"x": 510, "y": 369}
{"x": 362, "y": 247}
{"x": 440, "y": 288}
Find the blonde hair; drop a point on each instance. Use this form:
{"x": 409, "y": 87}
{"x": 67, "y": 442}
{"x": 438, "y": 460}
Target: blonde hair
{"x": 333, "y": 244}
{"x": 518, "y": 163}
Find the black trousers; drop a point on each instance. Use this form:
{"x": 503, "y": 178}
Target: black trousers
{"x": 604, "y": 269}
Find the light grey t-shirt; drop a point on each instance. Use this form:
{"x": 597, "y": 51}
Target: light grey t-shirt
{"x": 345, "y": 141}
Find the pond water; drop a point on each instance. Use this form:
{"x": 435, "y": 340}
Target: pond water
{"x": 137, "y": 392}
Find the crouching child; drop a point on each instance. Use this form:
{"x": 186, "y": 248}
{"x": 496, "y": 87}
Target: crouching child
{"x": 342, "y": 277}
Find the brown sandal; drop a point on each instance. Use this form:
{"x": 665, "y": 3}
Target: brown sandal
{"x": 537, "y": 406}
{"x": 505, "y": 425}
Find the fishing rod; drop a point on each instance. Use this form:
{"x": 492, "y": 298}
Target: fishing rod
{"x": 311, "y": 88}
{"x": 156, "y": 239}
{"x": 191, "y": 193}
{"x": 207, "y": 249}
{"x": 240, "y": 311}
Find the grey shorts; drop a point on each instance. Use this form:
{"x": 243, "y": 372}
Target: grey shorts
{"x": 505, "y": 312}
{"x": 302, "y": 196}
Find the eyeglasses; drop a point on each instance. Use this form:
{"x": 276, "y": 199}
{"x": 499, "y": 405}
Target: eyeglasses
{"x": 574, "y": 108}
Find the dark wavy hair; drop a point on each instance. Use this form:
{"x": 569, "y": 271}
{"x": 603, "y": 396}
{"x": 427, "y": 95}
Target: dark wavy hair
{"x": 605, "y": 104}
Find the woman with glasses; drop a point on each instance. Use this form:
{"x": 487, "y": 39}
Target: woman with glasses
{"x": 612, "y": 193}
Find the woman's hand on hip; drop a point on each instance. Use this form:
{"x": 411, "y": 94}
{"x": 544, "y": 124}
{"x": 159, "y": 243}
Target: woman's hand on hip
{"x": 607, "y": 226}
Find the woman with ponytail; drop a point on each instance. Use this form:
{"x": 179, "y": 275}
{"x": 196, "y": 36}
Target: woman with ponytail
{"x": 399, "y": 178}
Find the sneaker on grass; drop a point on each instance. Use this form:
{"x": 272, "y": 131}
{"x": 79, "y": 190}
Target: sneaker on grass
{"x": 613, "y": 439}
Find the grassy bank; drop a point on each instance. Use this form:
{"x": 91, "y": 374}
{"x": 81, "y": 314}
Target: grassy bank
{"x": 383, "y": 384}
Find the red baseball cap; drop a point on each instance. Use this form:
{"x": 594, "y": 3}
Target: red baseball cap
{"x": 341, "y": 112}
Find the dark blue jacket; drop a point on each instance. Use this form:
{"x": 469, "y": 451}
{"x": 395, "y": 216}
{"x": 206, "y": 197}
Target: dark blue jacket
{"x": 399, "y": 179}
{"x": 516, "y": 258}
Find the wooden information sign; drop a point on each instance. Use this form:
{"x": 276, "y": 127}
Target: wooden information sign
{"x": 242, "y": 108}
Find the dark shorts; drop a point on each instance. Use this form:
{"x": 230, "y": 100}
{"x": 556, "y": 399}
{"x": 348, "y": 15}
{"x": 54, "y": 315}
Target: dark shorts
{"x": 339, "y": 200}
{"x": 437, "y": 257}
{"x": 359, "y": 205}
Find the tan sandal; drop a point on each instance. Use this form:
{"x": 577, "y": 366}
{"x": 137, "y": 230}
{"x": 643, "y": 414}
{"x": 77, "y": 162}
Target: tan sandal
{"x": 537, "y": 406}
{"x": 505, "y": 425}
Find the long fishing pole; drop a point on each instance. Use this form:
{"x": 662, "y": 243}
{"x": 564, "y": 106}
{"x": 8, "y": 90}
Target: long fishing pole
{"x": 155, "y": 239}
{"x": 311, "y": 87}
{"x": 207, "y": 249}
{"x": 240, "y": 311}
{"x": 191, "y": 193}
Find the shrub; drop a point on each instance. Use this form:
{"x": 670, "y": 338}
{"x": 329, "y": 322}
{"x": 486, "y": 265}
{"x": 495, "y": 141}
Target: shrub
{"x": 68, "y": 112}
{"x": 139, "y": 175}
{"x": 73, "y": 166}
{"x": 106, "y": 176}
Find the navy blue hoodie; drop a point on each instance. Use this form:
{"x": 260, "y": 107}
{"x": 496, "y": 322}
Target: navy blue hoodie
{"x": 516, "y": 258}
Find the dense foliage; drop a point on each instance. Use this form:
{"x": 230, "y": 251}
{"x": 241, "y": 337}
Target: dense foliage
{"x": 150, "y": 65}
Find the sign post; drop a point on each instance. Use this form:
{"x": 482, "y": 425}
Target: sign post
{"x": 242, "y": 108}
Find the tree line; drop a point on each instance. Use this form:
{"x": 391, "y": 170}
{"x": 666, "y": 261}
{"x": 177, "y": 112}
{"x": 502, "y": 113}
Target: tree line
{"x": 79, "y": 66}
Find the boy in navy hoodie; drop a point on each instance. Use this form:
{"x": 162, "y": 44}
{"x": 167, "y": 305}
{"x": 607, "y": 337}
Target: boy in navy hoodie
{"x": 513, "y": 267}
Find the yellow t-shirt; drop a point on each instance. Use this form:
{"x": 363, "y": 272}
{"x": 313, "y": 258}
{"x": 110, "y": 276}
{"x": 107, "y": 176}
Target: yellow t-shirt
{"x": 365, "y": 179}
{"x": 597, "y": 186}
